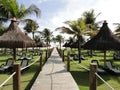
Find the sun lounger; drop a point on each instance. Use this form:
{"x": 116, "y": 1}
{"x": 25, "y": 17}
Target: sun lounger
{"x": 28, "y": 57}
{"x": 91, "y": 53}
{"x": 23, "y": 64}
{"x": 6, "y": 67}
{"x": 110, "y": 68}
{"x": 100, "y": 70}
{"x": 75, "y": 57}
{"x": 116, "y": 57}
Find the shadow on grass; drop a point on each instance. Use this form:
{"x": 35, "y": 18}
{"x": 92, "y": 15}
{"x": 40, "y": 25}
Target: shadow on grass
{"x": 82, "y": 78}
{"x": 3, "y": 61}
{"x": 32, "y": 81}
{"x": 32, "y": 69}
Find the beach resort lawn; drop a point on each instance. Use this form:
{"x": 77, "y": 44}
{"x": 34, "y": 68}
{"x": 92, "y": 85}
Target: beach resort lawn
{"x": 27, "y": 77}
{"x": 81, "y": 75}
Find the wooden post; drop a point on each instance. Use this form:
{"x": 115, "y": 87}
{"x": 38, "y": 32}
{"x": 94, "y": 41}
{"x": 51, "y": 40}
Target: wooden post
{"x": 40, "y": 62}
{"x": 68, "y": 62}
{"x": 14, "y": 54}
{"x": 16, "y": 77}
{"x": 93, "y": 81}
{"x": 63, "y": 56}
{"x": 104, "y": 58}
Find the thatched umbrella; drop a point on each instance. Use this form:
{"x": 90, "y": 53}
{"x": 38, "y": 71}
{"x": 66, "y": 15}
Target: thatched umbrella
{"x": 14, "y": 38}
{"x": 66, "y": 44}
{"x": 104, "y": 40}
{"x": 76, "y": 44}
{"x": 40, "y": 44}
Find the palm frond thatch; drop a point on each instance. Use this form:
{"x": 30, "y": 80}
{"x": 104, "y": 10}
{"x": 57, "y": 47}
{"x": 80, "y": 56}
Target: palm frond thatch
{"x": 104, "y": 40}
{"x": 15, "y": 38}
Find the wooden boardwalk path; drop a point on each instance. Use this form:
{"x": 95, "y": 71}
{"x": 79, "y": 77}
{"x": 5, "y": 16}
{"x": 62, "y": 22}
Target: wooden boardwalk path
{"x": 54, "y": 75}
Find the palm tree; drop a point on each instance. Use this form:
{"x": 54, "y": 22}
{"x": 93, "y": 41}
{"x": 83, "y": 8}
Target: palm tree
{"x": 77, "y": 28}
{"x": 60, "y": 39}
{"x": 92, "y": 26}
{"x": 10, "y": 9}
{"x": 90, "y": 19}
{"x": 31, "y": 26}
{"x": 37, "y": 38}
{"x": 47, "y": 35}
{"x": 54, "y": 39}
{"x": 38, "y": 41}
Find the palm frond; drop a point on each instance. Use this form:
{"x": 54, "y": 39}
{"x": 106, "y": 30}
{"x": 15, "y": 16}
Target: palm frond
{"x": 65, "y": 30}
{"x": 34, "y": 9}
{"x": 31, "y": 25}
{"x": 74, "y": 25}
{"x": 22, "y": 11}
{"x": 10, "y": 7}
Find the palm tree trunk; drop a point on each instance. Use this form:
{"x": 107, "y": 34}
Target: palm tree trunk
{"x": 60, "y": 45}
{"x": 33, "y": 34}
{"x": 33, "y": 38}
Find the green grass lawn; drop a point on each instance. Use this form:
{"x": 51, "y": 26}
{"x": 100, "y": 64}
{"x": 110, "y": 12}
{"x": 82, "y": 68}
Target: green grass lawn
{"x": 27, "y": 77}
{"x": 81, "y": 75}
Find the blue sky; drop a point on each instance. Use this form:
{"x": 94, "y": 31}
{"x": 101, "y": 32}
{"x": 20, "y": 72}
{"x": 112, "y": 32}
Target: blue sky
{"x": 55, "y": 12}
{"x": 49, "y": 9}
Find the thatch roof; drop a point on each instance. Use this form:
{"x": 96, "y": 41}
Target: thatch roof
{"x": 40, "y": 44}
{"x": 66, "y": 44}
{"x": 15, "y": 38}
{"x": 104, "y": 40}
{"x": 76, "y": 43}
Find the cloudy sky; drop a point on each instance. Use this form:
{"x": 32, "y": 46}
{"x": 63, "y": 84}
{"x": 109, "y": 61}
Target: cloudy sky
{"x": 55, "y": 12}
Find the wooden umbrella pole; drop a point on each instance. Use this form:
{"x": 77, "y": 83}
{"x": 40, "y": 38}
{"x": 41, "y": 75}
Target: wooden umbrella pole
{"x": 79, "y": 50}
{"x": 104, "y": 57}
{"x": 14, "y": 54}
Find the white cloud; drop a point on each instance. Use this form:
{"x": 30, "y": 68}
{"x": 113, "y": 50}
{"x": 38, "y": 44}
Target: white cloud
{"x": 110, "y": 11}
{"x": 74, "y": 9}
{"x": 40, "y": 1}
{"x": 57, "y": 21}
